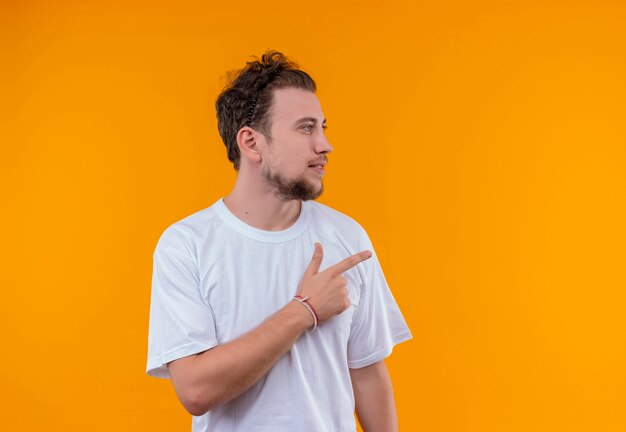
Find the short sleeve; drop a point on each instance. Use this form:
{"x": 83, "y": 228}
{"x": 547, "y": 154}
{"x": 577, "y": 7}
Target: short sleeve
{"x": 378, "y": 324}
{"x": 181, "y": 322}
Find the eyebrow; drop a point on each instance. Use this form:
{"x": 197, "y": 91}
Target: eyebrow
{"x": 308, "y": 119}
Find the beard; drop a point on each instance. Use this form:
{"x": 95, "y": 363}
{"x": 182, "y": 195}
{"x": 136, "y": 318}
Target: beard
{"x": 292, "y": 189}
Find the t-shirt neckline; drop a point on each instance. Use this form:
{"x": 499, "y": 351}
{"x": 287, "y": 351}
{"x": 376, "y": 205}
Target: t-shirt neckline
{"x": 243, "y": 228}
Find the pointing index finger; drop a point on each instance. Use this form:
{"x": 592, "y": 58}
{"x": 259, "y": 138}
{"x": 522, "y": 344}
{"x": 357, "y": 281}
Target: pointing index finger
{"x": 348, "y": 263}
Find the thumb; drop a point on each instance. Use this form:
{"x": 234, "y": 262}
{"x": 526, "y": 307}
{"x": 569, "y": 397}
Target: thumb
{"x": 316, "y": 261}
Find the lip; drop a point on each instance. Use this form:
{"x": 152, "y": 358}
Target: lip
{"x": 318, "y": 169}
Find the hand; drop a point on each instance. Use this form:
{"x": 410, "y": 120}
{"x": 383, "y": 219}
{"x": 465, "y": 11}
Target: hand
{"x": 327, "y": 290}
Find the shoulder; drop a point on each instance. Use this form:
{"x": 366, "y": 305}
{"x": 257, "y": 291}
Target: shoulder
{"x": 329, "y": 215}
{"x": 186, "y": 234}
{"x": 341, "y": 224}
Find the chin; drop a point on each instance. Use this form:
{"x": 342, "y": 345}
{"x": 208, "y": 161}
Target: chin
{"x": 300, "y": 188}
{"x": 315, "y": 193}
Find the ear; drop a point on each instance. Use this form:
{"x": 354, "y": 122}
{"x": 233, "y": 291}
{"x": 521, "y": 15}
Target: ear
{"x": 247, "y": 140}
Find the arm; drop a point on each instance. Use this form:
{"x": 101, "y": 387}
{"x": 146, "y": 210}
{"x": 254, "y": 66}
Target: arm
{"x": 220, "y": 374}
{"x": 373, "y": 393}
{"x": 203, "y": 381}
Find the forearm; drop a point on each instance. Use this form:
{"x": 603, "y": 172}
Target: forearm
{"x": 373, "y": 393}
{"x": 222, "y": 373}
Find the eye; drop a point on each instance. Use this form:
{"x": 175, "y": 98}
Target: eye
{"x": 308, "y": 127}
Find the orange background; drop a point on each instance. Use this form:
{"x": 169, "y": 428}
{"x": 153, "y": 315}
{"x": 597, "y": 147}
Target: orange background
{"x": 480, "y": 143}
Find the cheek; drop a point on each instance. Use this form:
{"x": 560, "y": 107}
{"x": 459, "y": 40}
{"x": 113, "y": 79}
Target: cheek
{"x": 293, "y": 162}
{"x": 289, "y": 156}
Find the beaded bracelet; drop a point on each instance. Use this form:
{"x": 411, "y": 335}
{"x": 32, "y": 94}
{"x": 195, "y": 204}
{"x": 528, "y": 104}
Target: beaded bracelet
{"x": 304, "y": 302}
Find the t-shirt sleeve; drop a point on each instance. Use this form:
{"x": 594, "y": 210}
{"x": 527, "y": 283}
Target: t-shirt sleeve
{"x": 181, "y": 322}
{"x": 378, "y": 324}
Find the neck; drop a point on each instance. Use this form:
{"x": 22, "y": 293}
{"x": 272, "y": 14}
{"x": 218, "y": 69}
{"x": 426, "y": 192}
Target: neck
{"x": 255, "y": 203}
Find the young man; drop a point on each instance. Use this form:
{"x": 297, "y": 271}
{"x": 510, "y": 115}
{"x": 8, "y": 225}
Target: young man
{"x": 269, "y": 311}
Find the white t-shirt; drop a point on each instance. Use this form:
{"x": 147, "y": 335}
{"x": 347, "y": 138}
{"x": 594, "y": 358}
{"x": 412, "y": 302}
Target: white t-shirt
{"x": 215, "y": 278}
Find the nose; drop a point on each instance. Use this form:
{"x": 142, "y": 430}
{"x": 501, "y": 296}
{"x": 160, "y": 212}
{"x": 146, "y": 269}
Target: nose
{"x": 322, "y": 145}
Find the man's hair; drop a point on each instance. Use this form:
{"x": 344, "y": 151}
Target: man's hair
{"x": 247, "y": 98}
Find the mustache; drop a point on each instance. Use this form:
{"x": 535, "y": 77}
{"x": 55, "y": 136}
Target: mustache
{"x": 323, "y": 161}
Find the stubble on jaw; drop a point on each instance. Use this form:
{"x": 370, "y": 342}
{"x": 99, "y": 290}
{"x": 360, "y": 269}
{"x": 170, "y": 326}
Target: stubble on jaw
{"x": 291, "y": 189}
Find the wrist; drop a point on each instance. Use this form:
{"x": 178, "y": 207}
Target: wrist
{"x": 304, "y": 301}
{"x": 298, "y": 316}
